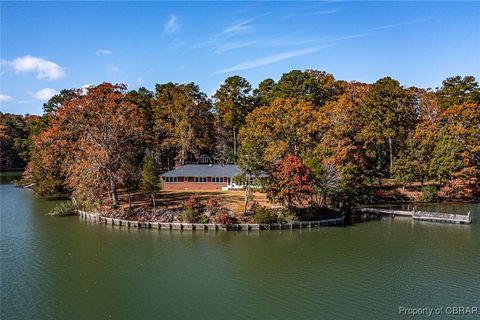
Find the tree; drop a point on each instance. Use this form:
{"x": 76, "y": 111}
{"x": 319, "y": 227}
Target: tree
{"x": 387, "y": 115}
{"x": 183, "y": 122}
{"x": 44, "y": 170}
{"x": 338, "y": 162}
{"x": 272, "y": 132}
{"x": 232, "y": 104}
{"x": 446, "y": 156}
{"x": 263, "y": 95}
{"x": 92, "y": 135}
{"x": 223, "y": 153}
{"x": 462, "y": 132}
{"x": 59, "y": 99}
{"x": 413, "y": 161}
{"x": 11, "y": 127}
{"x": 143, "y": 99}
{"x": 325, "y": 180}
{"x": 150, "y": 177}
{"x": 290, "y": 183}
{"x": 315, "y": 86}
{"x": 457, "y": 90}
{"x": 339, "y": 144}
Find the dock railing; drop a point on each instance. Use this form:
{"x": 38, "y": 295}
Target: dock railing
{"x": 422, "y": 215}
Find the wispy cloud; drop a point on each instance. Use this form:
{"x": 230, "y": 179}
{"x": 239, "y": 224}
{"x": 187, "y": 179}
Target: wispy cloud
{"x": 397, "y": 25}
{"x": 44, "y": 69}
{"x": 177, "y": 43}
{"x": 370, "y": 32}
{"x": 251, "y": 64}
{"x": 291, "y": 40}
{"x": 44, "y": 94}
{"x": 312, "y": 14}
{"x": 172, "y": 24}
{"x": 241, "y": 26}
{"x": 234, "y": 45}
{"x": 24, "y": 101}
{"x": 347, "y": 37}
{"x": 113, "y": 68}
{"x": 216, "y": 40}
{"x": 288, "y": 41}
{"x": 103, "y": 52}
{"x": 5, "y": 98}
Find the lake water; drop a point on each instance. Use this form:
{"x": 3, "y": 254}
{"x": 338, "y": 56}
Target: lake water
{"x": 63, "y": 268}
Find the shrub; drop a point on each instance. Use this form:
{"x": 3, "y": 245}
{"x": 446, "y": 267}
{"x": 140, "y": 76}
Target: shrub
{"x": 88, "y": 205}
{"x": 191, "y": 210}
{"x": 310, "y": 213}
{"x": 429, "y": 193}
{"x": 190, "y": 216}
{"x": 64, "y": 209}
{"x": 224, "y": 217}
{"x": 192, "y": 202}
{"x": 203, "y": 219}
{"x": 239, "y": 209}
{"x": 213, "y": 205}
{"x": 263, "y": 214}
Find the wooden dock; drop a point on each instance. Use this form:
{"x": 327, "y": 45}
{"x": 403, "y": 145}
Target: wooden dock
{"x": 421, "y": 215}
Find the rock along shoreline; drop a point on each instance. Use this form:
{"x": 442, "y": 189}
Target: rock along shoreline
{"x": 98, "y": 218}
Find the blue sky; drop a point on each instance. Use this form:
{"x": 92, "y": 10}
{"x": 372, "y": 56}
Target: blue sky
{"x": 48, "y": 46}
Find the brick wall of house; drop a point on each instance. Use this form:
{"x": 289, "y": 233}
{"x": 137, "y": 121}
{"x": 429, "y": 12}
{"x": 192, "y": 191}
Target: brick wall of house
{"x": 192, "y": 185}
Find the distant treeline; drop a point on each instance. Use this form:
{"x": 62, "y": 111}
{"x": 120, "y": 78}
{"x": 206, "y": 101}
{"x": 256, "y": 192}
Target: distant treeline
{"x": 342, "y": 135}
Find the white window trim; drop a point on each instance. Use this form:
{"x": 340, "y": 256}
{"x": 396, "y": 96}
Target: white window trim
{"x": 171, "y": 179}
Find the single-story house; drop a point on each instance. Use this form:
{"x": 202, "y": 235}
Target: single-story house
{"x": 201, "y": 177}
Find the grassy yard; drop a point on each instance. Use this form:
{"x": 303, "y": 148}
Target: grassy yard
{"x": 233, "y": 200}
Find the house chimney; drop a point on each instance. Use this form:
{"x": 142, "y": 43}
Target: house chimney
{"x": 178, "y": 164}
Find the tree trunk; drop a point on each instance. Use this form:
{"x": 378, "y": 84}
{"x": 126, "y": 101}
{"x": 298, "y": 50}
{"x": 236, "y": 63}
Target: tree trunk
{"x": 153, "y": 200}
{"x": 113, "y": 187}
{"x": 391, "y": 153}
{"x": 234, "y": 146}
{"x": 129, "y": 202}
{"x": 246, "y": 195}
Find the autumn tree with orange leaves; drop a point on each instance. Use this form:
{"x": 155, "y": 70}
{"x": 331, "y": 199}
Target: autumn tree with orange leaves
{"x": 89, "y": 139}
{"x": 290, "y": 183}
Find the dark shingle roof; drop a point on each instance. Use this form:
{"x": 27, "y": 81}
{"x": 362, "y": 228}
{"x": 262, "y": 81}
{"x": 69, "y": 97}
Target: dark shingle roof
{"x": 204, "y": 170}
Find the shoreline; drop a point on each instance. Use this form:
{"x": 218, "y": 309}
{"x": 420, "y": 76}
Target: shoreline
{"x": 98, "y": 218}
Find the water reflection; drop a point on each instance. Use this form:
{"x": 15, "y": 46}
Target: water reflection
{"x": 66, "y": 268}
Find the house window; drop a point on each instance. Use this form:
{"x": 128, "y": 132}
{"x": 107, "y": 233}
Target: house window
{"x": 201, "y": 179}
{"x": 217, "y": 179}
{"x": 185, "y": 179}
{"x": 170, "y": 179}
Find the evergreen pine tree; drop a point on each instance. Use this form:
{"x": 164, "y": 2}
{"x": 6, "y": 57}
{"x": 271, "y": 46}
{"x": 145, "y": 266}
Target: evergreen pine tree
{"x": 150, "y": 177}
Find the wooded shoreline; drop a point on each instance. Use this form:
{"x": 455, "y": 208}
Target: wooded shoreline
{"x": 321, "y": 143}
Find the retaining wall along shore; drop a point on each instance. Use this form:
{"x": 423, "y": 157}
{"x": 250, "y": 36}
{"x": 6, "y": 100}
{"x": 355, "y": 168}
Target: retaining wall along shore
{"x": 96, "y": 217}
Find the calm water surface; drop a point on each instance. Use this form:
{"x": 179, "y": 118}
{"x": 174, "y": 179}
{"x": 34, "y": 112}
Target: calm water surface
{"x": 62, "y": 268}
